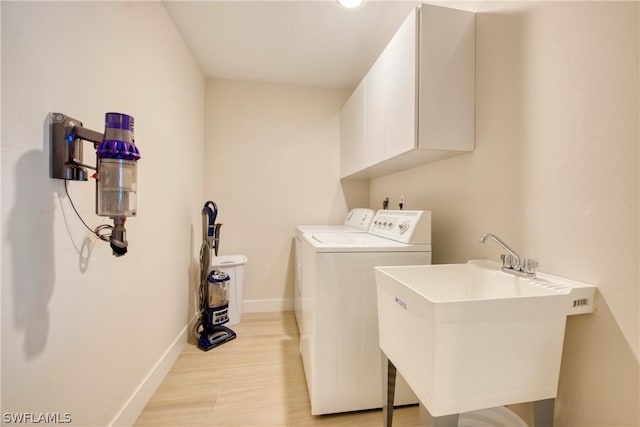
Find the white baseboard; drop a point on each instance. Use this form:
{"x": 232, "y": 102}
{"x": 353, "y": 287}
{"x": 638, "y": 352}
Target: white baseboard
{"x": 267, "y": 305}
{"x": 136, "y": 403}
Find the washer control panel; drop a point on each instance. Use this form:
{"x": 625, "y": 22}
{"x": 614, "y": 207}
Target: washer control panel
{"x": 359, "y": 218}
{"x": 403, "y": 226}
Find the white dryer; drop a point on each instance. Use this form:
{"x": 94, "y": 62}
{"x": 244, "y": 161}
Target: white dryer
{"x": 357, "y": 220}
{"x": 338, "y": 308}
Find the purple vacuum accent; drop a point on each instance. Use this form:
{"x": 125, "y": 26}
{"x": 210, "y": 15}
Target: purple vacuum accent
{"x": 118, "y": 121}
{"x": 118, "y": 150}
{"x": 123, "y": 148}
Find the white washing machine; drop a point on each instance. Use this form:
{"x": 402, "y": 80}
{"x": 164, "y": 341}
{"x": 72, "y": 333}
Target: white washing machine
{"x": 357, "y": 220}
{"x": 338, "y": 308}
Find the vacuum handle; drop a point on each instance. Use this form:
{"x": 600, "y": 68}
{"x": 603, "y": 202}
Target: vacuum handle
{"x": 216, "y": 237}
{"x": 210, "y": 209}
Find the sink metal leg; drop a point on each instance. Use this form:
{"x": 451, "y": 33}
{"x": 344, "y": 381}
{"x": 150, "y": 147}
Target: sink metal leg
{"x": 388, "y": 389}
{"x": 428, "y": 420}
{"x": 543, "y": 412}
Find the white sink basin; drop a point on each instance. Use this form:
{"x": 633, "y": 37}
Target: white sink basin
{"x": 470, "y": 336}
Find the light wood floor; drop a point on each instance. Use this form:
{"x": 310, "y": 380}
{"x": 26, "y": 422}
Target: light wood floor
{"x": 255, "y": 380}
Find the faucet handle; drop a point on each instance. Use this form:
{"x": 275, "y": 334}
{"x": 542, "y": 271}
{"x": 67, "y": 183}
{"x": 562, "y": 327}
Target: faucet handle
{"x": 507, "y": 261}
{"x": 529, "y": 266}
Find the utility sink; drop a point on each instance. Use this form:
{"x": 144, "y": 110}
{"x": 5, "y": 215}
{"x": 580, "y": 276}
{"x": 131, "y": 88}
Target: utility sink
{"x": 470, "y": 336}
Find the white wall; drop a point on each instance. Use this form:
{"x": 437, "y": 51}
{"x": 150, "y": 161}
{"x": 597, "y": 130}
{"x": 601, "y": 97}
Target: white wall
{"x": 82, "y": 329}
{"x": 271, "y": 164}
{"x": 554, "y": 173}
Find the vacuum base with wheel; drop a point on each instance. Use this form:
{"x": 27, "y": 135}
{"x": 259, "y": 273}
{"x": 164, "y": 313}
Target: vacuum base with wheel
{"x": 213, "y": 337}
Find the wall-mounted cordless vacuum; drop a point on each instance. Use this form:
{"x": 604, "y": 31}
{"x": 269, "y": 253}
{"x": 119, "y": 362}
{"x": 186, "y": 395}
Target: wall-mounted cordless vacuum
{"x": 209, "y": 330}
{"x": 116, "y": 168}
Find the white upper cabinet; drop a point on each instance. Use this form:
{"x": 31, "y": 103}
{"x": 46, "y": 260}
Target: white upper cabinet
{"x": 375, "y": 109}
{"x": 418, "y": 104}
{"x": 400, "y": 114}
{"x": 352, "y": 157}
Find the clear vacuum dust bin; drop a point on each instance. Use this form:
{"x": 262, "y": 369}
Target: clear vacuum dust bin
{"x": 218, "y": 311}
{"x": 117, "y": 176}
{"x": 116, "y": 188}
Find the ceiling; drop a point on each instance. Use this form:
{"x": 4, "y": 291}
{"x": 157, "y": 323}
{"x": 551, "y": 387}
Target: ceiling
{"x": 302, "y": 42}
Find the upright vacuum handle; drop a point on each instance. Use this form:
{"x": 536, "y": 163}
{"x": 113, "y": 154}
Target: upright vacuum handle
{"x": 209, "y": 214}
{"x": 216, "y": 238}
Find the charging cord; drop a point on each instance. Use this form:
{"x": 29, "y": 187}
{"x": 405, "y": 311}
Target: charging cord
{"x": 102, "y": 232}
{"x": 205, "y": 255}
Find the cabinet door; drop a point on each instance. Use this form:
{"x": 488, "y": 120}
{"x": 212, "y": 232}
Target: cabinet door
{"x": 400, "y": 76}
{"x": 352, "y": 132}
{"x": 376, "y": 110}
{"x": 447, "y": 79}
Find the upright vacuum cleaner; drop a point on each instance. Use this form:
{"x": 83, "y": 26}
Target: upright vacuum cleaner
{"x": 214, "y": 287}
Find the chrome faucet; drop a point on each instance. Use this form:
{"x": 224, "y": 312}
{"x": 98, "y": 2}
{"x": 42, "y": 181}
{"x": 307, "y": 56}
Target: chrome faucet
{"x": 511, "y": 262}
